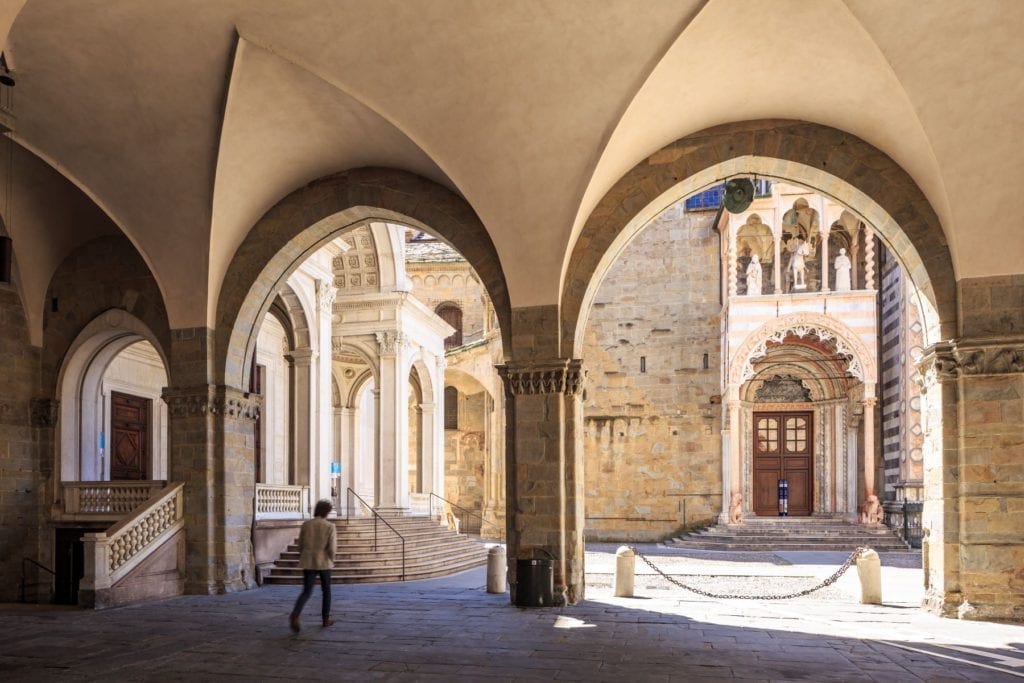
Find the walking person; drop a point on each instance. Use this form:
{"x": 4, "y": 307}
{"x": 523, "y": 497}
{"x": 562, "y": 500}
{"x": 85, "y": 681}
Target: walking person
{"x": 318, "y": 541}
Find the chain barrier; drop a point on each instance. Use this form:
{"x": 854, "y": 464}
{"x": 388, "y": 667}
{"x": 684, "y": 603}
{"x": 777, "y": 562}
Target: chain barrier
{"x": 721, "y": 596}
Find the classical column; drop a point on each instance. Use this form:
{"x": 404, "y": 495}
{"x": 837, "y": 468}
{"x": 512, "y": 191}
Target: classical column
{"x": 433, "y": 432}
{"x": 323, "y": 431}
{"x": 777, "y": 266}
{"x": 735, "y": 460}
{"x": 393, "y": 464}
{"x": 301, "y": 417}
{"x": 733, "y": 263}
{"x": 212, "y": 444}
{"x": 872, "y": 511}
{"x": 869, "y": 258}
{"x": 544, "y": 461}
{"x": 824, "y": 232}
{"x": 346, "y": 445}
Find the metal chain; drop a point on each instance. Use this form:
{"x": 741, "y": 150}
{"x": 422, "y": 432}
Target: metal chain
{"x": 827, "y": 582}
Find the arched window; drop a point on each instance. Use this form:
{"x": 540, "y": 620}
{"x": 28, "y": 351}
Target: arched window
{"x": 451, "y": 408}
{"x": 452, "y": 315}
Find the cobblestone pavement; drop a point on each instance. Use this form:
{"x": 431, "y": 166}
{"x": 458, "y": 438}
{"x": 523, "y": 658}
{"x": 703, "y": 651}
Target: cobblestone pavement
{"x": 452, "y": 630}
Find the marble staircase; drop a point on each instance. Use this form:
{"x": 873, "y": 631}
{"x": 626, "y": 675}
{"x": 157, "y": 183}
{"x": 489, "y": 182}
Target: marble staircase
{"x": 771, "y": 534}
{"x": 431, "y": 550}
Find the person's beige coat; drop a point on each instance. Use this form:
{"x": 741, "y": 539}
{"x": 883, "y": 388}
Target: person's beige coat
{"x": 317, "y": 544}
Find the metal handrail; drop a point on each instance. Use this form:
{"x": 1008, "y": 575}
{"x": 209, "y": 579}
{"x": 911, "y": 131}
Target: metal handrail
{"x": 501, "y": 532}
{"x": 23, "y": 577}
{"x": 376, "y": 516}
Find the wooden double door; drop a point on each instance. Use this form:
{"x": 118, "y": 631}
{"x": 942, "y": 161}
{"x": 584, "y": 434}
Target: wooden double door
{"x": 783, "y": 449}
{"x": 129, "y": 442}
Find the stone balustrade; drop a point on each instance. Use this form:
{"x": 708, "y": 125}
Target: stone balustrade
{"x": 282, "y": 502}
{"x": 106, "y": 499}
{"x": 111, "y": 554}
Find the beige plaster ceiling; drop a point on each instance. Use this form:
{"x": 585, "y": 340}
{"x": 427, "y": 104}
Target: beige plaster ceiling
{"x": 185, "y": 120}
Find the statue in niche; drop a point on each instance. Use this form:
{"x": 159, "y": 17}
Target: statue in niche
{"x": 843, "y": 268}
{"x": 798, "y": 251}
{"x": 754, "y": 276}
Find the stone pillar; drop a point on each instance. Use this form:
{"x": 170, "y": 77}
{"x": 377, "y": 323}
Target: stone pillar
{"x": 872, "y": 509}
{"x": 735, "y": 460}
{"x": 824, "y": 232}
{"x": 869, "y": 258}
{"x": 212, "y": 448}
{"x": 852, "y": 446}
{"x": 733, "y": 263}
{"x": 777, "y": 266}
{"x": 323, "y": 427}
{"x": 544, "y": 461}
{"x": 393, "y": 465}
{"x": 301, "y": 414}
{"x": 347, "y": 443}
{"x": 941, "y": 516}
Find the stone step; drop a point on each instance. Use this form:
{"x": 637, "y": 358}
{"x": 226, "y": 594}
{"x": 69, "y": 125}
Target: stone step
{"x": 775, "y": 534}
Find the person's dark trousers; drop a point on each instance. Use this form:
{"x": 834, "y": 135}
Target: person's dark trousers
{"x": 308, "y": 579}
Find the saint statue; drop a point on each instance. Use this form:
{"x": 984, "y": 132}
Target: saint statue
{"x": 798, "y": 252}
{"x": 754, "y": 276}
{"x": 843, "y": 267}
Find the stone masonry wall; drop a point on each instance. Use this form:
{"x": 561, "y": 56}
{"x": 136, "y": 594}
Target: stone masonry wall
{"x": 465, "y": 453}
{"x": 651, "y": 431}
{"x": 21, "y": 482}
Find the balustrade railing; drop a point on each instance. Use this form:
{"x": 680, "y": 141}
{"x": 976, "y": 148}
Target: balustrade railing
{"x": 281, "y": 502}
{"x": 904, "y": 518}
{"x": 111, "y": 554}
{"x": 106, "y": 499}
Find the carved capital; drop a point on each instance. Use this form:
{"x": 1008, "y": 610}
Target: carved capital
{"x": 990, "y": 358}
{"x": 390, "y": 342}
{"x": 939, "y": 364}
{"x": 563, "y": 376}
{"x": 192, "y": 402}
{"x": 325, "y": 296}
{"x": 44, "y": 412}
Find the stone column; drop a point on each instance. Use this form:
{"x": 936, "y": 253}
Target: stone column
{"x": 212, "y": 448}
{"x": 733, "y": 263}
{"x": 869, "y": 258}
{"x": 544, "y": 461}
{"x": 735, "y": 460}
{"x": 824, "y": 232}
{"x": 393, "y": 465}
{"x": 301, "y": 415}
{"x": 872, "y": 509}
{"x": 777, "y": 266}
{"x": 323, "y": 428}
{"x": 941, "y": 516}
{"x": 347, "y": 440}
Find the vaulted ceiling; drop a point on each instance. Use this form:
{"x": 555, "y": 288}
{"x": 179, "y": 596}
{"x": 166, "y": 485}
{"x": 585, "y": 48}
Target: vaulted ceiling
{"x": 180, "y": 122}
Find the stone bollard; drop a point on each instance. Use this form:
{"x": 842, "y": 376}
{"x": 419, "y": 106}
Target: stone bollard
{"x": 496, "y": 569}
{"x": 625, "y": 569}
{"x": 869, "y": 570}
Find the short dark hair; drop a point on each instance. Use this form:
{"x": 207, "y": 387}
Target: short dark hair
{"x": 323, "y": 508}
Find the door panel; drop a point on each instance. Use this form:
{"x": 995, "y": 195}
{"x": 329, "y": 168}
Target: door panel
{"x": 129, "y": 426}
{"x": 783, "y": 450}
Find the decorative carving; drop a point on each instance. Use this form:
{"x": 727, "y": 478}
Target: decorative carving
{"x": 337, "y": 345}
{"x": 872, "y": 513}
{"x": 802, "y": 325}
{"x": 950, "y": 360}
{"x": 390, "y": 342}
{"x": 558, "y": 377}
{"x": 736, "y": 508}
{"x": 779, "y": 389}
{"x": 44, "y": 412}
{"x": 325, "y": 295}
{"x": 212, "y": 400}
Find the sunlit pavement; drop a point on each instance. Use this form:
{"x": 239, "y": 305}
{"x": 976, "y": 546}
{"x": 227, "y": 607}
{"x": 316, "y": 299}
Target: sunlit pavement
{"x": 451, "y": 629}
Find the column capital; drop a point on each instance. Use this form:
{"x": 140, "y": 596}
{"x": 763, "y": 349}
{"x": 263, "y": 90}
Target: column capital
{"x": 390, "y": 342}
{"x": 325, "y": 295}
{"x": 211, "y": 399}
{"x": 559, "y": 376}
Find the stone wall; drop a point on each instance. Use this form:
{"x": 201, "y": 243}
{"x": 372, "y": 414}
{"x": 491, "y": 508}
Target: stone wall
{"x": 437, "y": 283}
{"x": 465, "y": 454}
{"x": 22, "y": 499}
{"x": 652, "y": 434}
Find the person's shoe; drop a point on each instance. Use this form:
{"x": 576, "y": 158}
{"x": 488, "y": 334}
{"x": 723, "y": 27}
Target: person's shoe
{"x": 328, "y": 622}
{"x": 293, "y": 621}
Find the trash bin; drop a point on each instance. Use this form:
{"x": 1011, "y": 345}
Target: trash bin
{"x": 535, "y": 583}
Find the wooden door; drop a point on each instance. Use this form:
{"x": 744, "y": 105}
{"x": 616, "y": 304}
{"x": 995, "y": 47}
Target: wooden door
{"x": 783, "y": 450}
{"x": 129, "y": 438}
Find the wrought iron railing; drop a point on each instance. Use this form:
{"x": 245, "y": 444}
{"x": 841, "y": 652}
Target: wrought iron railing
{"x": 349, "y": 504}
{"x": 463, "y": 514}
{"x": 904, "y": 518}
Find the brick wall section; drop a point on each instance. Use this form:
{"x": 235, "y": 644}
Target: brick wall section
{"x": 653, "y": 449}
{"x": 22, "y": 498}
{"x": 835, "y": 153}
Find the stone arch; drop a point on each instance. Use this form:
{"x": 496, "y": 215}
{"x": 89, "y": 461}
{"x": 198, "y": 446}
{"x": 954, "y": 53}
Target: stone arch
{"x": 861, "y": 364}
{"x": 80, "y": 373}
{"x": 104, "y": 274}
{"x": 828, "y": 160}
{"x": 297, "y": 317}
{"x": 311, "y": 216}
